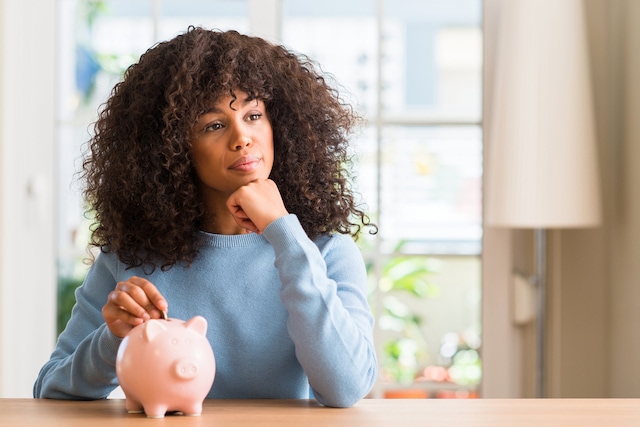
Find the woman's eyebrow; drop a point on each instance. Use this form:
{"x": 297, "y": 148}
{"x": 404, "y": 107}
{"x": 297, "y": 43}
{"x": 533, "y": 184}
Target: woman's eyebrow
{"x": 248, "y": 100}
{"x": 243, "y": 103}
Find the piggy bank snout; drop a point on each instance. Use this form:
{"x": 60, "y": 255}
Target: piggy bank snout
{"x": 185, "y": 369}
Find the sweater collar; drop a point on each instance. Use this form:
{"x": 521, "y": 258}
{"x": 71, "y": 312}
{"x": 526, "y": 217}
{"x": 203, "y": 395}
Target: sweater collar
{"x": 232, "y": 240}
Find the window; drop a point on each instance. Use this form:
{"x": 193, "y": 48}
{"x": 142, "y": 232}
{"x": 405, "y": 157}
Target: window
{"x": 412, "y": 68}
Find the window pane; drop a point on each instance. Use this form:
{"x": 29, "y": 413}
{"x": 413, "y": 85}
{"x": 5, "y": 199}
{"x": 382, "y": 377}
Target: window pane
{"x": 430, "y": 325}
{"x": 419, "y": 170}
{"x": 341, "y": 36}
{"x": 428, "y": 171}
{"x": 177, "y": 15}
{"x": 430, "y": 187}
{"x": 98, "y": 41}
{"x": 432, "y": 60}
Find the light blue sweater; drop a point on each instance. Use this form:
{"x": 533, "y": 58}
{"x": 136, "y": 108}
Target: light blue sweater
{"x": 284, "y": 313}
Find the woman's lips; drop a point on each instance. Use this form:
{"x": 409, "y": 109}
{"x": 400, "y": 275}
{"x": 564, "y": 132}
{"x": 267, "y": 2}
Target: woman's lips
{"x": 245, "y": 164}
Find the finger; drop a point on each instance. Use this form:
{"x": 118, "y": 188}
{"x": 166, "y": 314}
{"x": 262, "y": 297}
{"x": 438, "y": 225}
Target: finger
{"x": 240, "y": 216}
{"x": 248, "y": 225}
{"x": 123, "y": 306}
{"x": 119, "y": 321}
{"x": 151, "y": 299}
{"x": 114, "y": 313}
{"x": 256, "y": 204}
{"x": 132, "y": 298}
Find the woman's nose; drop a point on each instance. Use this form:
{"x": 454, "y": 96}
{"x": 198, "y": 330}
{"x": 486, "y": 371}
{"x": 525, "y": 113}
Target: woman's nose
{"x": 240, "y": 138}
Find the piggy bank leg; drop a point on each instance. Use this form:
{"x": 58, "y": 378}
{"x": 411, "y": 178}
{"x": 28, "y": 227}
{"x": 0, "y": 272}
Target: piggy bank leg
{"x": 192, "y": 410}
{"x": 155, "y": 410}
{"x": 133, "y": 406}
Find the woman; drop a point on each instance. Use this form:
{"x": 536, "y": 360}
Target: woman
{"x": 218, "y": 183}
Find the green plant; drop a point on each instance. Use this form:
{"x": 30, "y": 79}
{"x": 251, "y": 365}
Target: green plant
{"x": 404, "y": 351}
{"x": 66, "y": 300}
{"x": 72, "y": 269}
{"x": 461, "y": 353}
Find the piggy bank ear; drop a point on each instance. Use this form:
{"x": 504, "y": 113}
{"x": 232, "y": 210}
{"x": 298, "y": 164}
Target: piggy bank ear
{"x": 198, "y": 324}
{"x": 152, "y": 328}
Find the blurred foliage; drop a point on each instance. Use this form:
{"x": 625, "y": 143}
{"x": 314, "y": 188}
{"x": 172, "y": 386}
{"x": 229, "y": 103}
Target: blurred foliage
{"x": 409, "y": 275}
{"x": 66, "y": 300}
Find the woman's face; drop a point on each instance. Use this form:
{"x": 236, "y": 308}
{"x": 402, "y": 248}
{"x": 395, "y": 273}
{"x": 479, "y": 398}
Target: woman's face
{"x": 232, "y": 145}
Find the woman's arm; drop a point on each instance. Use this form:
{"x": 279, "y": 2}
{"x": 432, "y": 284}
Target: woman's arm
{"x": 82, "y": 366}
{"x": 330, "y": 322}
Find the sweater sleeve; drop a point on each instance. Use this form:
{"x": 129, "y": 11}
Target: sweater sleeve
{"x": 82, "y": 366}
{"x": 330, "y": 322}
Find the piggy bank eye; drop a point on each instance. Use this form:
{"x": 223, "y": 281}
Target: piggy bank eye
{"x": 187, "y": 340}
{"x": 175, "y": 341}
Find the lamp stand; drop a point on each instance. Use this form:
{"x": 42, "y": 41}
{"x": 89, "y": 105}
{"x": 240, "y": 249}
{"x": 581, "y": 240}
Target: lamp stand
{"x": 541, "y": 284}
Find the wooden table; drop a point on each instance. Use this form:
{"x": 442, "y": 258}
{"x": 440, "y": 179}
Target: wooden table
{"x": 368, "y": 412}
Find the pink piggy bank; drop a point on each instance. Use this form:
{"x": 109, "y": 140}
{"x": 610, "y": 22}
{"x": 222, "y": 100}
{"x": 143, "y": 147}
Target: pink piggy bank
{"x": 166, "y": 365}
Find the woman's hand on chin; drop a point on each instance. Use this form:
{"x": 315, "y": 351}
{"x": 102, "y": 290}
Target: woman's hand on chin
{"x": 256, "y": 205}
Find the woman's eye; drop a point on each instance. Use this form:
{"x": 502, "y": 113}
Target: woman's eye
{"x": 212, "y": 127}
{"x": 255, "y": 116}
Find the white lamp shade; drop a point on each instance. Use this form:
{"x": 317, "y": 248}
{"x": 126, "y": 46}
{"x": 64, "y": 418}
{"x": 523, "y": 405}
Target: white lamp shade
{"x": 542, "y": 164}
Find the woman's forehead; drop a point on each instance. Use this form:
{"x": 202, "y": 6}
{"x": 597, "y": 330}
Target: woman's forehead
{"x": 234, "y": 96}
{"x": 235, "y": 99}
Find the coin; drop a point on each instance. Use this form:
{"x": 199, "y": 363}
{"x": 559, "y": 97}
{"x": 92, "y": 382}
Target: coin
{"x": 163, "y": 315}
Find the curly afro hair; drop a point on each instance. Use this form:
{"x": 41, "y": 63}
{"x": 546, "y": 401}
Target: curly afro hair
{"x": 140, "y": 182}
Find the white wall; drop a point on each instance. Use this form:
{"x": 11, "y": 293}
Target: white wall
{"x": 594, "y": 296}
{"x": 596, "y": 278}
{"x": 625, "y": 258}
{"x": 264, "y": 19}
{"x": 27, "y": 273}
